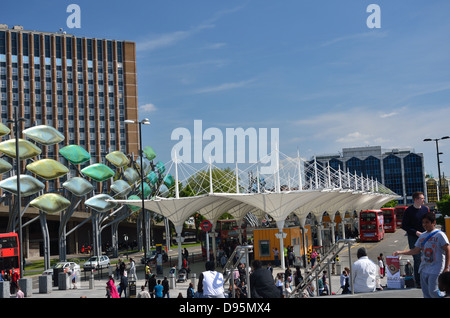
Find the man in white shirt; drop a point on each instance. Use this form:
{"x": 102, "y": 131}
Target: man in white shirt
{"x": 210, "y": 282}
{"x": 364, "y": 273}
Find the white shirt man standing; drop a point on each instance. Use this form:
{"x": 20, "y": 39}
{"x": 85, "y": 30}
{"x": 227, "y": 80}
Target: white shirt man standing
{"x": 364, "y": 273}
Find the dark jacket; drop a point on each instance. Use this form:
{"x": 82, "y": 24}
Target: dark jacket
{"x": 412, "y": 219}
{"x": 262, "y": 284}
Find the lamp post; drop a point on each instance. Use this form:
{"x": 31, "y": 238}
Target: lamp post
{"x": 16, "y": 121}
{"x": 438, "y": 161}
{"x": 145, "y": 121}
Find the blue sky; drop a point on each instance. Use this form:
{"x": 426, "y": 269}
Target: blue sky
{"x": 313, "y": 69}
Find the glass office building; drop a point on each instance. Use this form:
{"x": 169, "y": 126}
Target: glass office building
{"x": 401, "y": 170}
{"x": 84, "y": 87}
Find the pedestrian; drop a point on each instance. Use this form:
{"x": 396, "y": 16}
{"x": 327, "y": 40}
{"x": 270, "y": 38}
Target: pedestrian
{"x": 111, "y": 290}
{"x": 384, "y": 264}
{"x": 143, "y": 293}
{"x": 380, "y": 265}
{"x": 210, "y": 282}
{"x": 276, "y": 256}
{"x": 364, "y": 273}
{"x": 433, "y": 246}
{"x": 279, "y": 284}
{"x": 344, "y": 280}
{"x": 122, "y": 267}
{"x": 444, "y": 283}
{"x": 19, "y": 293}
{"x": 158, "y": 290}
{"x": 190, "y": 291}
{"x": 412, "y": 224}
{"x": 123, "y": 284}
{"x": 261, "y": 282}
{"x": 133, "y": 276}
{"x": 165, "y": 284}
{"x": 118, "y": 270}
{"x": 148, "y": 273}
{"x": 151, "y": 285}
{"x": 313, "y": 257}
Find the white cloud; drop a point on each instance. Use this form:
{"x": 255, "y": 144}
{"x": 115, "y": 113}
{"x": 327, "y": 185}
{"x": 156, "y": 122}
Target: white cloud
{"x": 223, "y": 87}
{"x": 147, "y": 108}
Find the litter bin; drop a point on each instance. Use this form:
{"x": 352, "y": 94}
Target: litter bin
{"x": 132, "y": 289}
{"x": 56, "y": 272}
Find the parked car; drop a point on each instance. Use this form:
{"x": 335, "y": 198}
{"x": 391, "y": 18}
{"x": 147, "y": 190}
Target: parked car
{"x": 65, "y": 265}
{"x": 95, "y": 263}
{"x": 151, "y": 256}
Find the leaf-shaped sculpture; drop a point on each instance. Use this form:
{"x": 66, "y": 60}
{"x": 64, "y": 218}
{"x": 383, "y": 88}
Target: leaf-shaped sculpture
{"x": 149, "y": 153}
{"x": 43, "y": 134}
{"x": 75, "y": 154}
{"x": 121, "y": 188}
{"x": 160, "y": 166}
{"x": 28, "y": 185}
{"x": 5, "y": 166}
{"x": 27, "y": 150}
{"x": 147, "y": 190}
{"x": 118, "y": 159}
{"x": 98, "y": 171}
{"x": 131, "y": 175}
{"x": 4, "y": 130}
{"x": 48, "y": 169}
{"x": 100, "y": 203}
{"x": 78, "y": 186}
{"x": 50, "y": 203}
{"x": 152, "y": 177}
{"x": 163, "y": 191}
{"x": 132, "y": 207}
{"x": 169, "y": 181}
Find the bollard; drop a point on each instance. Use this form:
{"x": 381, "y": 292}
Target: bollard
{"x": 4, "y": 289}
{"x": 194, "y": 279}
{"x": 171, "y": 281}
{"x": 45, "y": 284}
{"x": 26, "y": 285}
{"x": 91, "y": 281}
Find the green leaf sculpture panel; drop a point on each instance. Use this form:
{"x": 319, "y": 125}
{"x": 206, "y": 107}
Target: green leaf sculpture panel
{"x": 28, "y": 185}
{"x": 27, "y": 150}
{"x": 152, "y": 177}
{"x": 100, "y": 203}
{"x": 132, "y": 207}
{"x": 48, "y": 169}
{"x": 118, "y": 159}
{"x": 121, "y": 188}
{"x": 98, "y": 171}
{"x": 78, "y": 186}
{"x": 75, "y": 154}
{"x": 5, "y": 166}
{"x": 147, "y": 189}
{"x": 43, "y": 134}
{"x": 4, "y": 130}
{"x": 50, "y": 203}
{"x": 169, "y": 181}
{"x": 149, "y": 153}
{"x": 160, "y": 166}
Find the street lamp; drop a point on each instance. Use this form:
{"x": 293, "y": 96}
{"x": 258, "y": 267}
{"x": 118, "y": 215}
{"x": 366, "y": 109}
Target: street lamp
{"x": 145, "y": 121}
{"x": 438, "y": 161}
{"x": 16, "y": 121}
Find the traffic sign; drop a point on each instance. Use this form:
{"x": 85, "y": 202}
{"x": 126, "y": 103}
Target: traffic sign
{"x": 206, "y": 225}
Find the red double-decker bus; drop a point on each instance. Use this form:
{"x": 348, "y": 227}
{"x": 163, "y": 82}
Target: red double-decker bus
{"x": 9, "y": 253}
{"x": 371, "y": 226}
{"x": 390, "y": 220}
{"x": 399, "y": 210}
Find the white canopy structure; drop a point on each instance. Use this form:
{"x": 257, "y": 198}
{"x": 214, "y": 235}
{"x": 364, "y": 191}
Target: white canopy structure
{"x": 328, "y": 191}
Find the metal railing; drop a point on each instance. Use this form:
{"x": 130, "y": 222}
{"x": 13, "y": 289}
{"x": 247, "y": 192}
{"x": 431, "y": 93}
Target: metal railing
{"x": 327, "y": 259}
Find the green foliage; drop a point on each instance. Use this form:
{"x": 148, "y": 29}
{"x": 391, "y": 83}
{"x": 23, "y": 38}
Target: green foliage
{"x": 390, "y": 204}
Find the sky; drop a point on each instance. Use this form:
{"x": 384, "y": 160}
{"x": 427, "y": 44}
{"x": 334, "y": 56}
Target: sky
{"x": 313, "y": 69}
